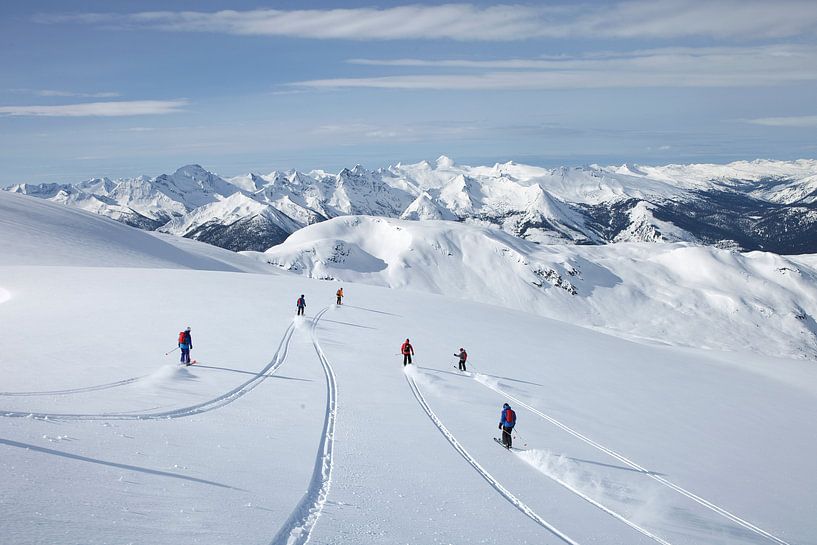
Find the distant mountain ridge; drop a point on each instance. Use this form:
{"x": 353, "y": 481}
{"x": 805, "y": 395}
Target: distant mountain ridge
{"x": 749, "y": 205}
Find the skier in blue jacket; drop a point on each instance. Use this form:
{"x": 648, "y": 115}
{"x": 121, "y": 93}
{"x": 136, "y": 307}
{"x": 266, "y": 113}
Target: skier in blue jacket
{"x": 507, "y": 420}
{"x": 301, "y": 304}
{"x": 185, "y": 345}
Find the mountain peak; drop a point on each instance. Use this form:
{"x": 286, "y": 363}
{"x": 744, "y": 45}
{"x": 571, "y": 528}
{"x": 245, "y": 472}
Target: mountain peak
{"x": 192, "y": 171}
{"x": 444, "y": 161}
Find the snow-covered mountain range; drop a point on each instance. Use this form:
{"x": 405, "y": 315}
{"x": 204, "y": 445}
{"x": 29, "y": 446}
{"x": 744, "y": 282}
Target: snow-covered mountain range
{"x": 768, "y": 205}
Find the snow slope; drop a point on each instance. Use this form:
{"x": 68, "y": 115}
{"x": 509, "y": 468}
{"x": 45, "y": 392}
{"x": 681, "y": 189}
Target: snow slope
{"x": 290, "y": 430}
{"x": 37, "y": 232}
{"x": 671, "y": 293}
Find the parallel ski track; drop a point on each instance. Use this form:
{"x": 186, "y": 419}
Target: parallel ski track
{"x": 106, "y": 386}
{"x": 298, "y": 527}
{"x": 621, "y": 458}
{"x": 225, "y": 399}
{"x": 516, "y": 502}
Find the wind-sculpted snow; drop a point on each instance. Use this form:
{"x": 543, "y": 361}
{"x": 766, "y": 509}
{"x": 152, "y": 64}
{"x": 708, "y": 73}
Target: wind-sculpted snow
{"x": 671, "y": 293}
{"x": 769, "y": 205}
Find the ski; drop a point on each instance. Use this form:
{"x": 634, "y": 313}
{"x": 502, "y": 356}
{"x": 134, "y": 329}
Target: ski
{"x": 501, "y": 444}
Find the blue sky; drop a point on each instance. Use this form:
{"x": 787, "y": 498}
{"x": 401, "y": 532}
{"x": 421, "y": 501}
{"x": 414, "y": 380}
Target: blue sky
{"x": 125, "y": 88}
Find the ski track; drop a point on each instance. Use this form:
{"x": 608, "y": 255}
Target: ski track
{"x": 74, "y": 390}
{"x": 607, "y": 510}
{"x": 621, "y": 458}
{"x": 298, "y": 527}
{"x": 225, "y": 399}
{"x": 516, "y": 502}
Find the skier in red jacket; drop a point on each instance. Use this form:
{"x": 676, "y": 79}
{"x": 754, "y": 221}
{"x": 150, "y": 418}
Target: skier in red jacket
{"x": 407, "y": 350}
{"x": 463, "y": 355}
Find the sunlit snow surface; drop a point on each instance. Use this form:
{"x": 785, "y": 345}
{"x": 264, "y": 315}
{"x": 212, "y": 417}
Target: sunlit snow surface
{"x": 291, "y": 429}
{"x": 679, "y": 294}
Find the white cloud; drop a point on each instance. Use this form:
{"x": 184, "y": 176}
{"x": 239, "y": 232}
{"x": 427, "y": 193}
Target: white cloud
{"x": 356, "y": 132}
{"x": 662, "y": 19}
{"x": 56, "y": 93}
{"x": 791, "y": 121}
{"x": 97, "y": 109}
{"x": 664, "y": 67}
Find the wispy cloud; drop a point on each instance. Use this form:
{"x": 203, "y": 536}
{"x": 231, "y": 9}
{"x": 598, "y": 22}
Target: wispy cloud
{"x": 664, "y": 67}
{"x": 661, "y": 19}
{"x": 355, "y": 132}
{"x": 97, "y": 109}
{"x": 56, "y": 93}
{"x": 790, "y": 121}
{"x": 63, "y": 93}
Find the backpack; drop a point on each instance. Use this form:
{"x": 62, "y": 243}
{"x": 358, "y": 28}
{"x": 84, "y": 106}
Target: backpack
{"x": 510, "y": 417}
{"x": 182, "y": 338}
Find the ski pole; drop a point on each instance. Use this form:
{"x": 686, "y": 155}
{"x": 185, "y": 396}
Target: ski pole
{"x": 168, "y": 353}
{"x": 516, "y": 433}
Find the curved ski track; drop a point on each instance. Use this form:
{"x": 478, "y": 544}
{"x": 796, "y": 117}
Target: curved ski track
{"x": 516, "y": 502}
{"x": 701, "y": 501}
{"x": 106, "y": 386}
{"x": 298, "y": 527}
{"x": 225, "y": 399}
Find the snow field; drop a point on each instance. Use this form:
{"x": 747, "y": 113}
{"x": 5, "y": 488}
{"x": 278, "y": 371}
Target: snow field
{"x": 154, "y": 502}
{"x": 291, "y": 430}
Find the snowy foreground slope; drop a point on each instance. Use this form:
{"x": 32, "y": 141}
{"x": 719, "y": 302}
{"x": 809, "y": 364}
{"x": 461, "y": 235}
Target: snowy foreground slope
{"x": 667, "y": 293}
{"x": 294, "y": 429}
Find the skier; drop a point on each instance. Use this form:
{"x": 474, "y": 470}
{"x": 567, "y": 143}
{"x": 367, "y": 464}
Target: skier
{"x": 301, "y": 304}
{"x": 407, "y": 350}
{"x": 185, "y": 345}
{"x": 463, "y": 355}
{"x": 340, "y": 296}
{"x": 507, "y": 420}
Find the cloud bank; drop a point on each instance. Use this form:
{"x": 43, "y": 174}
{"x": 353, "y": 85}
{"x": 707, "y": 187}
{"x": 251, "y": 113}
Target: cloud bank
{"x": 749, "y": 66}
{"x": 658, "y": 19}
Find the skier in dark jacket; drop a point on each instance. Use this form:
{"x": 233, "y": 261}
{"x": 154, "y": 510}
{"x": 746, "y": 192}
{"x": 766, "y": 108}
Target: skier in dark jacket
{"x": 185, "y": 345}
{"x": 463, "y": 355}
{"x": 301, "y": 304}
{"x": 507, "y": 420}
{"x": 407, "y": 350}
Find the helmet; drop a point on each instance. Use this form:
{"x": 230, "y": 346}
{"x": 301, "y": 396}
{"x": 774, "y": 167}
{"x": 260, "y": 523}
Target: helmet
{"x": 506, "y": 406}
{"x": 302, "y": 295}
{"x": 462, "y": 349}
{"x": 188, "y": 328}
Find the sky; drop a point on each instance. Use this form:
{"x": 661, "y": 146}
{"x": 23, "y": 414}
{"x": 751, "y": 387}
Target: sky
{"x": 101, "y": 88}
